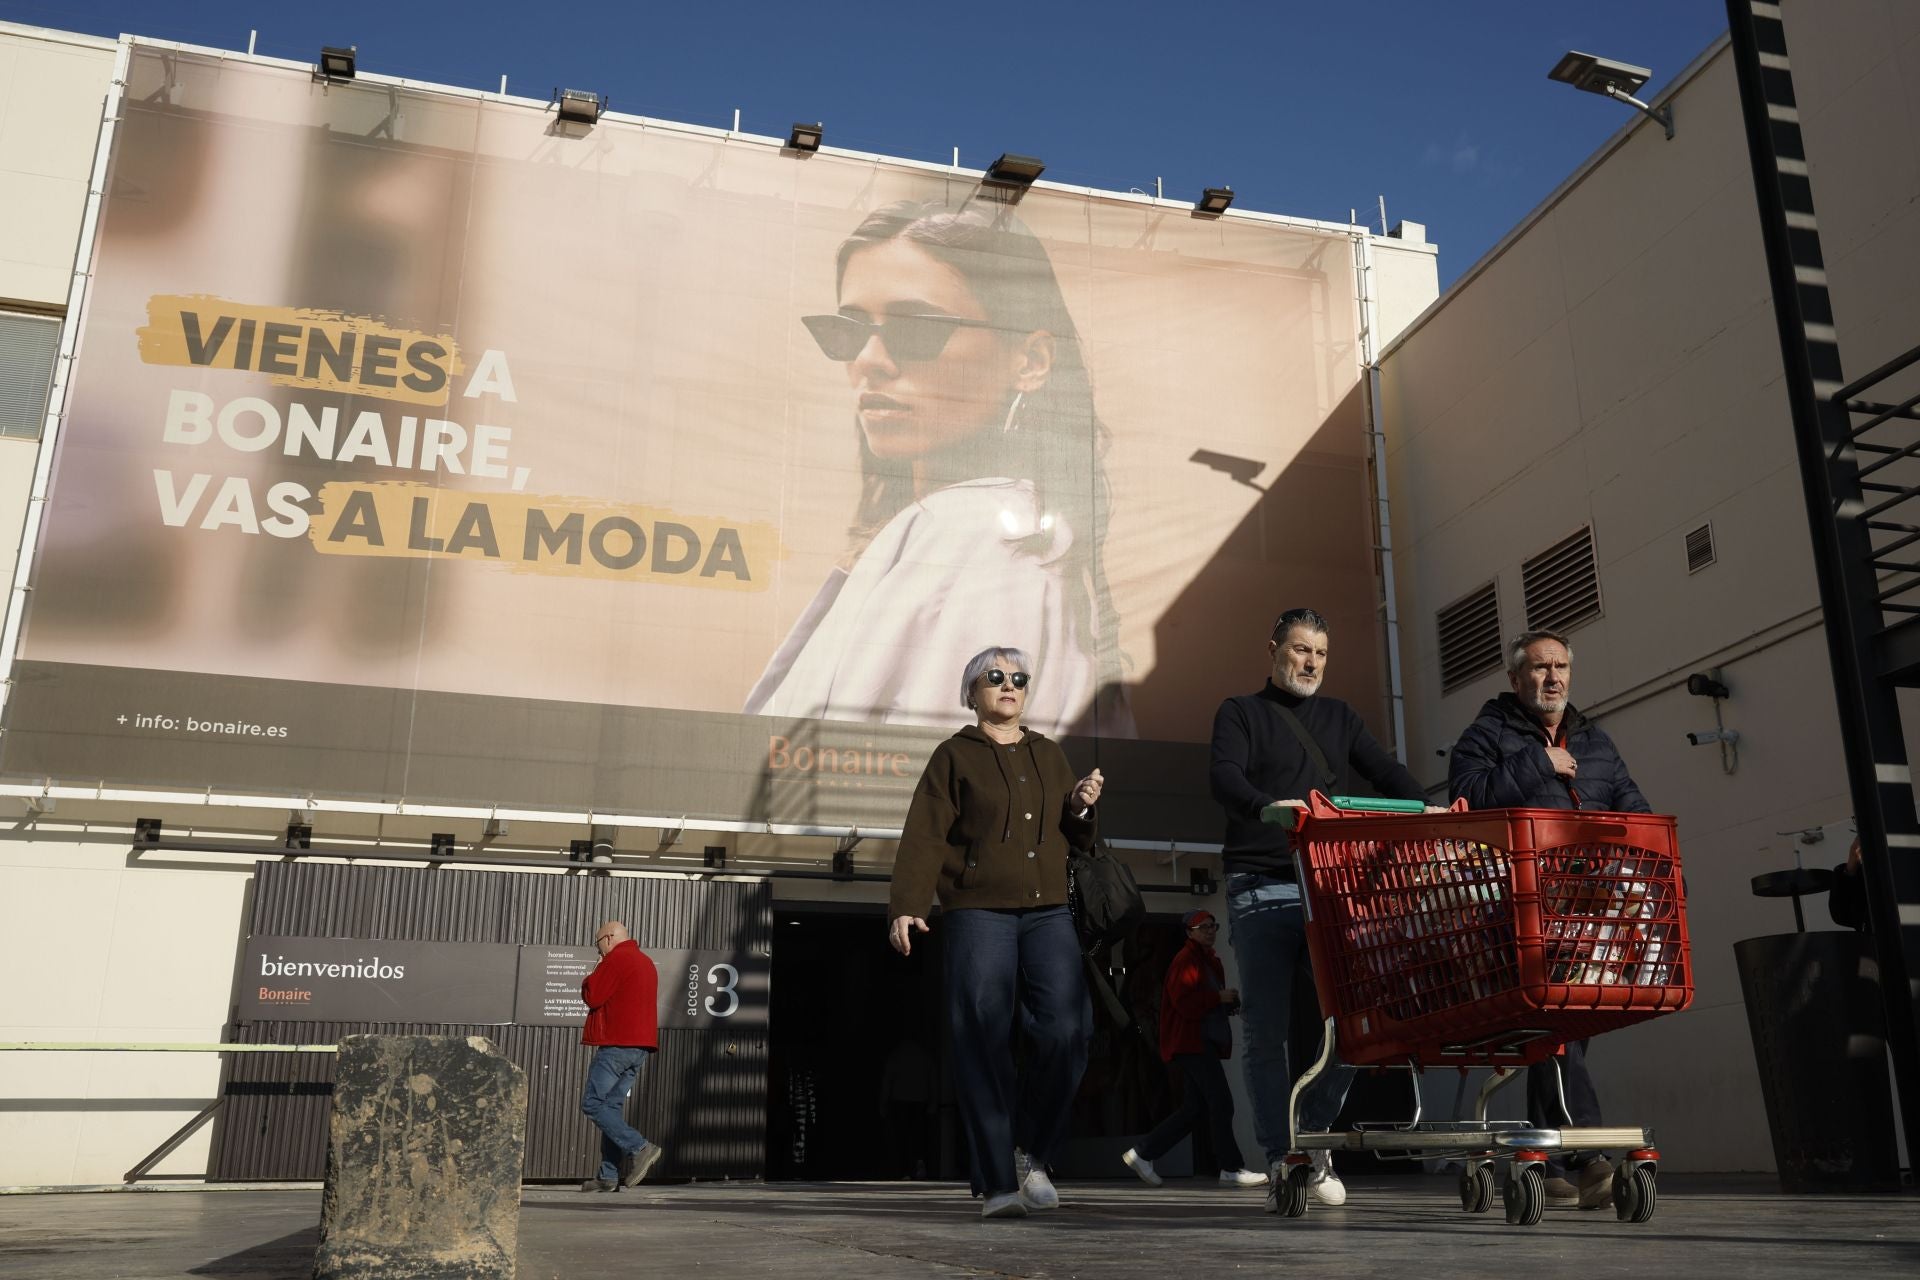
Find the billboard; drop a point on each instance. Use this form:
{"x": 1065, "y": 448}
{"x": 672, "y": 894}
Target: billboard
{"x": 421, "y": 447}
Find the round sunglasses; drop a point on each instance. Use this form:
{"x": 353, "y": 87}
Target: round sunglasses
{"x": 996, "y": 677}
{"x": 842, "y": 337}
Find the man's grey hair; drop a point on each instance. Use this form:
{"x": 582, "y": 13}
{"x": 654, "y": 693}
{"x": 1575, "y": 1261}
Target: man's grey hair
{"x": 1312, "y": 619}
{"x": 1517, "y": 650}
{"x": 978, "y": 664}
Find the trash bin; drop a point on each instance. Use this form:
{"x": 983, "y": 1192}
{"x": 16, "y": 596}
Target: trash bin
{"x": 1819, "y": 1036}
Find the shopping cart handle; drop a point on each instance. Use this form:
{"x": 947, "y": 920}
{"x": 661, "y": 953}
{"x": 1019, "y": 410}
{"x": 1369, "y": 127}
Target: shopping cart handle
{"x": 1376, "y": 804}
{"x": 1321, "y": 805}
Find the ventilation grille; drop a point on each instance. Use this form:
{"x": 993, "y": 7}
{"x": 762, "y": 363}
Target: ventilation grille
{"x": 1700, "y": 548}
{"x": 1561, "y": 586}
{"x": 28, "y": 345}
{"x": 1469, "y": 637}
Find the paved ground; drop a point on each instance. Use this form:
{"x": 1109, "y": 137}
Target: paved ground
{"x": 1409, "y": 1226}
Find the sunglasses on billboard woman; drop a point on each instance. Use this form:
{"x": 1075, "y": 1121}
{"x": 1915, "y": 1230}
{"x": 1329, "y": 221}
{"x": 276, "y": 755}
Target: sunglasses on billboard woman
{"x": 996, "y": 677}
{"x": 906, "y": 337}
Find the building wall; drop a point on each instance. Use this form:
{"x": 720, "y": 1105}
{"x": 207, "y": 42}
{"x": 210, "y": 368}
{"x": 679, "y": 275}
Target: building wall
{"x": 146, "y": 944}
{"x": 52, "y": 85}
{"x": 1615, "y": 362}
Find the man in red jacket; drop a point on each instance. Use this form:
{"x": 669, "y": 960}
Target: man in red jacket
{"x": 623, "y": 1019}
{"x": 1194, "y": 1036}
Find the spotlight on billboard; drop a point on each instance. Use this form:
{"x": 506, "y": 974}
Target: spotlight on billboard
{"x": 1214, "y": 201}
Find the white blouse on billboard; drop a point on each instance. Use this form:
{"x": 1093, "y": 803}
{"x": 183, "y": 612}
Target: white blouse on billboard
{"x": 955, "y": 572}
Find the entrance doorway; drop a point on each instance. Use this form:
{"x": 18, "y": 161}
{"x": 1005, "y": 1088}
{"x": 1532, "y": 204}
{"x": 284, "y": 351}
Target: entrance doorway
{"x": 857, "y": 1081}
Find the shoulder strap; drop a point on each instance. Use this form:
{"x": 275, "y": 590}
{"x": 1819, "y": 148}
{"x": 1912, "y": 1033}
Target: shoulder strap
{"x": 1314, "y": 753}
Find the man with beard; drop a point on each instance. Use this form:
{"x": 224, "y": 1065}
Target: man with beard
{"x": 1531, "y": 749}
{"x": 1269, "y": 750}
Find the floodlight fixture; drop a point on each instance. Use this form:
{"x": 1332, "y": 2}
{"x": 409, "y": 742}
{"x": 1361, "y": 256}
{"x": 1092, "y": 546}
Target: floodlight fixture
{"x": 336, "y": 62}
{"x": 578, "y": 106}
{"x": 579, "y": 851}
{"x": 1200, "y": 882}
{"x": 803, "y": 137}
{"x": 440, "y": 844}
{"x": 1214, "y": 201}
{"x": 715, "y": 856}
{"x": 299, "y": 835}
{"x": 1617, "y": 80}
{"x": 1013, "y": 174}
{"x": 146, "y": 831}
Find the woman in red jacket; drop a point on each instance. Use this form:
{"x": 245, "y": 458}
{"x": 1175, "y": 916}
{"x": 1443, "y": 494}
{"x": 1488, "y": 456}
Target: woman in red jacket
{"x": 1194, "y": 1036}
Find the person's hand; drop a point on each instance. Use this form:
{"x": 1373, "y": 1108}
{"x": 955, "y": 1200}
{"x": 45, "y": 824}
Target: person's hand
{"x": 898, "y": 933}
{"x": 1275, "y": 812}
{"x": 1439, "y": 808}
{"x": 1230, "y": 995}
{"x": 1087, "y": 792}
{"x": 1853, "y": 859}
{"x": 1564, "y": 765}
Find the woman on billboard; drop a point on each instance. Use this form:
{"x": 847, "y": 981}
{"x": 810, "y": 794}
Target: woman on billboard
{"x": 983, "y": 501}
{"x": 988, "y": 833}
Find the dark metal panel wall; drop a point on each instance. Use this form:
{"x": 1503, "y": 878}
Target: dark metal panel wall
{"x": 703, "y": 1096}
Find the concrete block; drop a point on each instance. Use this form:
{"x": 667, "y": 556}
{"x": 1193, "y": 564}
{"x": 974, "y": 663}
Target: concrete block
{"x": 423, "y": 1161}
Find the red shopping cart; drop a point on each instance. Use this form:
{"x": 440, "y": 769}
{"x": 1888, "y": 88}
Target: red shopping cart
{"x": 1485, "y": 938}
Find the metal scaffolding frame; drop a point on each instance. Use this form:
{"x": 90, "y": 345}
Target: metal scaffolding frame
{"x": 1858, "y": 526}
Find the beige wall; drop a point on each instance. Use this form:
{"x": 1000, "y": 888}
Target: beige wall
{"x": 52, "y": 86}
{"x": 1406, "y": 280}
{"x": 116, "y": 953}
{"x": 1615, "y": 361}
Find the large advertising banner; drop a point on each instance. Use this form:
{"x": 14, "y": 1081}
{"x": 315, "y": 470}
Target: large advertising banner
{"x": 423, "y": 448}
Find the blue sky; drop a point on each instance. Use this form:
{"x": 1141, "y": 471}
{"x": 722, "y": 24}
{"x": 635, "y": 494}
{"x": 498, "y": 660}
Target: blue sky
{"x": 1443, "y": 108}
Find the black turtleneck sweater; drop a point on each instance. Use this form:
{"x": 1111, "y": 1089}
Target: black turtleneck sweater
{"x": 1257, "y": 760}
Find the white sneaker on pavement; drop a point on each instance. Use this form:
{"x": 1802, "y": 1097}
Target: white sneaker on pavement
{"x": 1008, "y": 1204}
{"x": 1324, "y": 1185}
{"x": 1239, "y": 1178}
{"x": 1143, "y": 1166}
{"x": 1038, "y": 1190}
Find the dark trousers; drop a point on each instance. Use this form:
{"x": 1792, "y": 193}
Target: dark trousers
{"x": 1003, "y": 965}
{"x": 1583, "y": 1104}
{"x": 1207, "y": 1101}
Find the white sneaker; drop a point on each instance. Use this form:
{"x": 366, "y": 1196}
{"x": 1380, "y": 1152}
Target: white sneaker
{"x": 1324, "y": 1185}
{"x": 1038, "y": 1190}
{"x": 1238, "y": 1177}
{"x": 1144, "y": 1167}
{"x": 1008, "y": 1204}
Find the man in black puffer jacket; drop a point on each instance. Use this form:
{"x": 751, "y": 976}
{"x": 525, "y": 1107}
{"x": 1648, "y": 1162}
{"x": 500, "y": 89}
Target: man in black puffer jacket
{"x": 1532, "y": 749}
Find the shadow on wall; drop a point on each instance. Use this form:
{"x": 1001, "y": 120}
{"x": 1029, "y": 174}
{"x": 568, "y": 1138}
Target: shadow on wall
{"x": 1308, "y": 540}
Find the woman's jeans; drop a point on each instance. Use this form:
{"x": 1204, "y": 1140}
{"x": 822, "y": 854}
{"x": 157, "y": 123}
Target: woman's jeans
{"x": 1003, "y": 967}
{"x": 604, "y": 1101}
{"x": 1268, "y": 929}
{"x": 1207, "y": 1102}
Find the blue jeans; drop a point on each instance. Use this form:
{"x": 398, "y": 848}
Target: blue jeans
{"x": 604, "y": 1101}
{"x": 1002, "y": 966}
{"x": 1267, "y": 927}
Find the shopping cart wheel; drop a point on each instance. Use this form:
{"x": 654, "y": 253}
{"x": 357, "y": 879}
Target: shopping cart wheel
{"x": 1476, "y": 1188}
{"x": 1526, "y": 1193}
{"x": 1634, "y": 1193}
{"x": 1290, "y": 1197}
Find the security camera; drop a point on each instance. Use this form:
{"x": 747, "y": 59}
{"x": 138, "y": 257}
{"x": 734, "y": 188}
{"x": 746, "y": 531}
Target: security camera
{"x": 1705, "y": 685}
{"x": 1706, "y": 736}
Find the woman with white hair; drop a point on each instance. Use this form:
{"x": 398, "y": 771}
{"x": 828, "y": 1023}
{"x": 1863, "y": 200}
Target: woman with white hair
{"x": 988, "y": 832}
